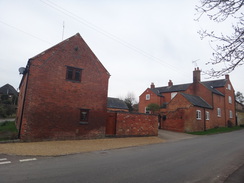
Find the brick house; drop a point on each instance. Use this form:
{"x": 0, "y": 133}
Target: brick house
{"x": 8, "y": 90}
{"x": 63, "y": 94}
{"x": 239, "y": 113}
{"x": 193, "y": 106}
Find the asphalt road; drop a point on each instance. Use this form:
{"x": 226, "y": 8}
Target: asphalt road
{"x": 204, "y": 159}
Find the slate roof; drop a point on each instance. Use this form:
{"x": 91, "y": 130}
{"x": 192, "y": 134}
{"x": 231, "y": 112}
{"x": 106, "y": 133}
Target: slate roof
{"x": 197, "y": 101}
{"x": 211, "y": 85}
{"x": 173, "y": 88}
{"x": 116, "y": 103}
{"x": 8, "y": 90}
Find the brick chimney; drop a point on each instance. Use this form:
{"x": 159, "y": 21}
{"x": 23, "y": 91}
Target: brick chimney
{"x": 170, "y": 83}
{"x": 227, "y": 77}
{"x": 152, "y": 85}
{"x": 196, "y": 75}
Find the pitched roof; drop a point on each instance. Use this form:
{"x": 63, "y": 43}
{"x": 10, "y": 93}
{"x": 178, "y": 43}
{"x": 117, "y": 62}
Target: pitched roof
{"x": 73, "y": 39}
{"x": 173, "y": 88}
{"x": 211, "y": 85}
{"x": 8, "y": 90}
{"x": 197, "y": 101}
{"x": 116, "y": 103}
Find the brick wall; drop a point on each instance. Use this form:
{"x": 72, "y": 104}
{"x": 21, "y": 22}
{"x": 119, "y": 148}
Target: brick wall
{"x": 52, "y": 103}
{"x": 130, "y": 124}
{"x": 173, "y": 121}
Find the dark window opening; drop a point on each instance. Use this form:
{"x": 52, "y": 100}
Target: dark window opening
{"x": 73, "y": 74}
{"x": 164, "y": 117}
{"x": 84, "y": 116}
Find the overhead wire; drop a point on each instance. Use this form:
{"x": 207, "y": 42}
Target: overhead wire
{"x": 107, "y": 34}
{"x": 20, "y": 30}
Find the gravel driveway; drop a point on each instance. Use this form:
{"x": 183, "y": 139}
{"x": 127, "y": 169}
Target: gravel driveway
{"x": 56, "y": 148}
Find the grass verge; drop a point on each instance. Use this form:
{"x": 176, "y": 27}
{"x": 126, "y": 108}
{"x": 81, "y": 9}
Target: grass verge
{"x": 8, "y": 131}
{"x": 217, "y": 130}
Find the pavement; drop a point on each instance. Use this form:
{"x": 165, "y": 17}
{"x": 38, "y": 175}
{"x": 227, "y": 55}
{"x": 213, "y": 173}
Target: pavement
{"x": 237, "y": 176}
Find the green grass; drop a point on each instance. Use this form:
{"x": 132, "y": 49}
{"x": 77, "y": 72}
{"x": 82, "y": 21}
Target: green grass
{"x": 8, "y": 131}
{"x": 217, "y": 130}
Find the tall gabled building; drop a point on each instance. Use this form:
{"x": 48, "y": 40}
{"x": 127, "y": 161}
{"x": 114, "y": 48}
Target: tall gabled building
{"x": 63, "y": 94}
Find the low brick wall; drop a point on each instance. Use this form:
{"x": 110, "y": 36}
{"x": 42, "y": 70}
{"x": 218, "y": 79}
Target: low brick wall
{"x": 130, "y": 124}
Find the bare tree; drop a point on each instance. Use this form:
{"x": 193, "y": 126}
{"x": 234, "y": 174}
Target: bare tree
{"x": 130, "y": 101}
{"x": 230, "y": 48}
{"x": 239, "y": 97}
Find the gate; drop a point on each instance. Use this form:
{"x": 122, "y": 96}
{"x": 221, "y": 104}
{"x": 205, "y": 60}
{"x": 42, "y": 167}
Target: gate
{"x": 111, "y": 124}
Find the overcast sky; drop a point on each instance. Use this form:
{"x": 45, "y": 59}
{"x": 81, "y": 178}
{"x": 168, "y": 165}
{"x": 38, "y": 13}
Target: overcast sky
{"x": 139, "y": 41}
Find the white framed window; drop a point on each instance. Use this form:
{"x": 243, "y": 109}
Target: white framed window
{"x": 147, "y": 96}
{"x": 198, "y": 114}
{"x": 147, "y": 111}
{"x": 173, "y": 94}
{"x": 218, "y": 112}
{"x": 207, "y": 115}
{"x": 229, "y": 87}
{"x": 231, "y": 114}
{"x": 230, "y": 99}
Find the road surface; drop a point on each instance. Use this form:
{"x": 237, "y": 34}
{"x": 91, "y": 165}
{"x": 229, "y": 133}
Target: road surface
{"x": 203, "y": 159}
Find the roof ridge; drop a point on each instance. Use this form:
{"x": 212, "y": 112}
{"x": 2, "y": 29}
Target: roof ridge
{"x": 43, "y": 52}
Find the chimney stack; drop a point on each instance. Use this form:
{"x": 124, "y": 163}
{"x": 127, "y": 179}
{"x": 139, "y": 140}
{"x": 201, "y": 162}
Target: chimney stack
{"x": 152, "y": 85}
{"x": 170, "y": 83}
{"x": 196, "y": 75}
{"x": 227, "y": 77}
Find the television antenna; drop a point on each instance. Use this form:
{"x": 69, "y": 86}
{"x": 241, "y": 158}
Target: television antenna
{"x": 195, "y": 62}
{"x": 63, "y": 32}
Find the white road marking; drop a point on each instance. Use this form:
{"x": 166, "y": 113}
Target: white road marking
{"x": 24, "y": 160}
{"x": 5, "y": 162}
{"x": 3, "y": 159}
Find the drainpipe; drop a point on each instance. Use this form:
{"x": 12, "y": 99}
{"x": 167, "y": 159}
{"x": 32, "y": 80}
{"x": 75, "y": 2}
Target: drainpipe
{"x": 22, "y": 112}
{"x": 204, "y": 119}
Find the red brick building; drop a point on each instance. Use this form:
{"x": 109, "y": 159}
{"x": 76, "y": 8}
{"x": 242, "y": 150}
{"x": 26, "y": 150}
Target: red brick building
{"x": 63, "y": 94}
{"x": 194, "y": 106}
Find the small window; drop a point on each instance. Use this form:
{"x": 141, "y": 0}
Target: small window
{"x": 73, "y": 74}
{"x": 84, "y": 116}
{"x": 231, "y": 114}
{"x": 230, "y": 99}
{"x": 219, "y": 112}
{"x": 207, "y": 115}
{"x": 147, "y": 111}
{"x": 229, "y": 87}
{"x": 164, "y": 117}
{"x": 147, "y": 96}
{"x": 198, "y": 114}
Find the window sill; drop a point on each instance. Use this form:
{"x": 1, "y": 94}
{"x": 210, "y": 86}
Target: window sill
{"x": 73, "y": 81}
{"x": 83, "y": 122}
